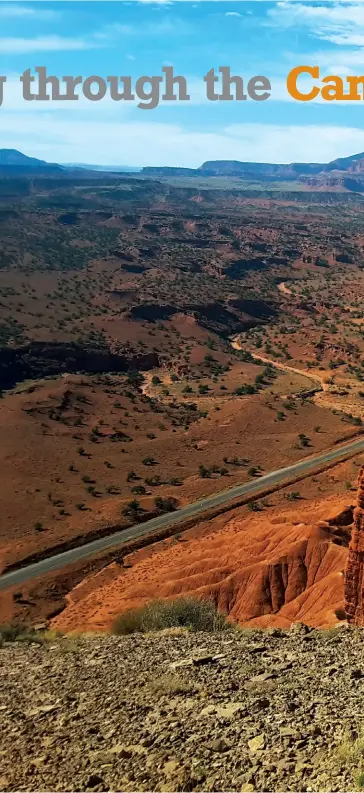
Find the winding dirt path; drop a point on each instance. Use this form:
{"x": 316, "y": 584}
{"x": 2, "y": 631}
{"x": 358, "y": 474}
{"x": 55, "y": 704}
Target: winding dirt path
{"x": 323, "y": 397}
{"x": 235, "y": 343}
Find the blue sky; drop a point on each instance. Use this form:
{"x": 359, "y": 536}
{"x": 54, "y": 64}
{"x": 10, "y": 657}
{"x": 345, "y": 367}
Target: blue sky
{"x": 138, "y": 38}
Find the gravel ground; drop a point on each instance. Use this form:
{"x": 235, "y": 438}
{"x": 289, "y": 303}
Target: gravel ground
{"x": 237, "y": 711}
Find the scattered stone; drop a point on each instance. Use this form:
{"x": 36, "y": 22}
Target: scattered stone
{"x": 208, "y": 711}
{"x": 110, "y": 729}
{"x": 219, "y": 745}
{"x": 256, "y": 744}
{"x": 41, "y": 710}
{"x": 261, "y": 704}
{"x": 121, "y": 750}
{"x": 180, "y": 664}
{"x": 262, "y": 677}
{"x": 199, "y": 660}
{"x": 229, "y": 710}
{"x": 170, "y": 767}
{"x": 94, "y": 780}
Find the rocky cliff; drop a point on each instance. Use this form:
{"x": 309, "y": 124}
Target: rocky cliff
{"x": 38, "y": 359}
{"x": 354, "y": 587}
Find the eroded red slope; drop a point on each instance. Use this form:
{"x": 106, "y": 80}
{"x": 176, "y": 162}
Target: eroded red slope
{"x": 261, "y": 571}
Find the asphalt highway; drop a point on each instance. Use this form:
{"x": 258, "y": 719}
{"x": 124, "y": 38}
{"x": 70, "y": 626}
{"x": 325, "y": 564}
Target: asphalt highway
{"x": 222, "y": 498}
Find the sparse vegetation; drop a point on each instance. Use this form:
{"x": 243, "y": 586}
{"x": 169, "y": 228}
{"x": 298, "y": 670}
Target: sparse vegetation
{"x": 17, "y": 633}
{"x": 180, "y": 395}
{"x": 184, "y": 612}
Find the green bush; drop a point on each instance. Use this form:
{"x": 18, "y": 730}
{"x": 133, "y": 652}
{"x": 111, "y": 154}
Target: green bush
{"x": 184, "y": 612}
{"x": 359, "y": 780}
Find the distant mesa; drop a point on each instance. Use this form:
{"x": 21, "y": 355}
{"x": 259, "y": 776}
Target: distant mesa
{"x": 260, "y": 170}
{"x": 345, "y": 174}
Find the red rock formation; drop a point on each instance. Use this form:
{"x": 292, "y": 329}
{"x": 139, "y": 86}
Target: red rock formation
{"x": 354, "y": 586}
{"x": 261, "y": 570}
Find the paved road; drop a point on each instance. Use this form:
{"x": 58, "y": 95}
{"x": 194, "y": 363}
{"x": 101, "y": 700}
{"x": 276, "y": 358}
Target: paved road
{"x": 252, "y": 488}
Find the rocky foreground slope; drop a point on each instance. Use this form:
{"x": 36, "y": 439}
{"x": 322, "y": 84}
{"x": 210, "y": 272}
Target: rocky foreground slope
{"x": 236, "y": 710}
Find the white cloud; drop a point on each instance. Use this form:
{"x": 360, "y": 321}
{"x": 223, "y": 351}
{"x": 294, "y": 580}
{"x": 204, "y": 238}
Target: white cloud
{"x": 233, "y": 14}
{"x": 145, "y": 142}
{"x": 20, "y": 46}
{"x": 159, "y": 28}
{"x": 314, "y": 143}
{"x": 15, "y": 11}
{"x": 339, "y": 23}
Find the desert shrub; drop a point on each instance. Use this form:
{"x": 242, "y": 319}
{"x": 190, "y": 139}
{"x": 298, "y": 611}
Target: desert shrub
{"x": 293, "y": 496}
{"x": 138, "y": 490}
{"x": 17, "y": 633}
{"x": 168, "y": 504}
{"x": 170, "y": 685}
{"x": 132, "y": 509}
{"x": 349, "y": 754}
{"x": 253, "y": 506}
{"x": 186, "y": 612}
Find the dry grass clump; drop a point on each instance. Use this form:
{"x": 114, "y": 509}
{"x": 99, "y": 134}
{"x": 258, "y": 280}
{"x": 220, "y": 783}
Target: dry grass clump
{"x": 171, "y": 685}
{"x": 349, "y": 753}
{"x": 184, "y": 612}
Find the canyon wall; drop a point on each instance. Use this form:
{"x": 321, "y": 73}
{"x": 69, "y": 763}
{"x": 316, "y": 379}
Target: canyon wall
{"x": 41, "y": 359}
{"x": 354, "y": 605}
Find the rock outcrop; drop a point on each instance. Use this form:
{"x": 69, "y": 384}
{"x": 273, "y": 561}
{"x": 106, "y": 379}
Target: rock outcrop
{"x": 354, "y": 585}
{"x": 43, "y": 359}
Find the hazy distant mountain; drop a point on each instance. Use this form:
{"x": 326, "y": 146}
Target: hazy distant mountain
{"x": 14, "y": 161}
{"x": 112, "y": 168}
{"x": 14, "y": 157}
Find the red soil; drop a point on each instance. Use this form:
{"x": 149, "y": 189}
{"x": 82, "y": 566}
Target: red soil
{"x": 261, "y": 570}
